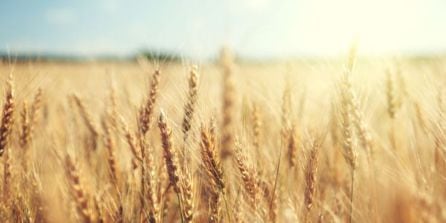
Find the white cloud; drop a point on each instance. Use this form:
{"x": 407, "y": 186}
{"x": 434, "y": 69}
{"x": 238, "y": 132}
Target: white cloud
{"x": 110, "y": 6}
{"x": 248, "y": 6}
{"x": 256, "y": 5}
{"x": 60, "y": 16}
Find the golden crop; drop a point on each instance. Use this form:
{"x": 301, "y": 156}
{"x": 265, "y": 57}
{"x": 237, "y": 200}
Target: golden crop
{"x": 297, "y": 141}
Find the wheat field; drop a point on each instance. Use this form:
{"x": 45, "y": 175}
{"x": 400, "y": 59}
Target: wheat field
{"x": 348, "y": 140}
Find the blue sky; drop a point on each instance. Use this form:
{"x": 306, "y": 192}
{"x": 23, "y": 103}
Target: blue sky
{"x": 198, "y": 28}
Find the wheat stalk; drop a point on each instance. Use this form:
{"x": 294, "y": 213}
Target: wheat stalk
{"x": 256, "y": 127}
{"x": 292, "y": 145}
{"x": 248, "y": 175}
{"x": 88, "y": 120}
{"x": 171, "y": 159}
{"x": 7, "y": 119}
{"x": 214, "y": 171}
{"x": 77, "y": 191}
{"x": 192, "y": 97}
{"x": 188, "y": 196}
{"x": 311, "y": 177}
{"x": 111, "y": 149}
{"x": 349, "y": 153}
{"x": 227, "y": 140}
{"x": 25, "y": 134}
{"x": 146, "y": 115}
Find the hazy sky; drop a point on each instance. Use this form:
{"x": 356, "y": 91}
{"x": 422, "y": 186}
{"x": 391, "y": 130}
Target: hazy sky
{"x": 198, "y": 28}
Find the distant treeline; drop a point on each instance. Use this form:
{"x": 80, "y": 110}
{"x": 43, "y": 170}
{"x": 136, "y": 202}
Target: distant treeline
{"x": 161, "y": 56}
{"x": 166, "y": 56}
{"x": 18, "y": 58}
{"x": 49, "y": 57}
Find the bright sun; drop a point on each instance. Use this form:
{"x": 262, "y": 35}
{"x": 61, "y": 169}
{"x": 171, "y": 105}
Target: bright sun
{"x": 381, "y": 25}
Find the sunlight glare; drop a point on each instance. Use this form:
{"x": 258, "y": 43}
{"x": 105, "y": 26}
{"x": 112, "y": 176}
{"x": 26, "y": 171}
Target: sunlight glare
{"x": 380, "y": 25}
